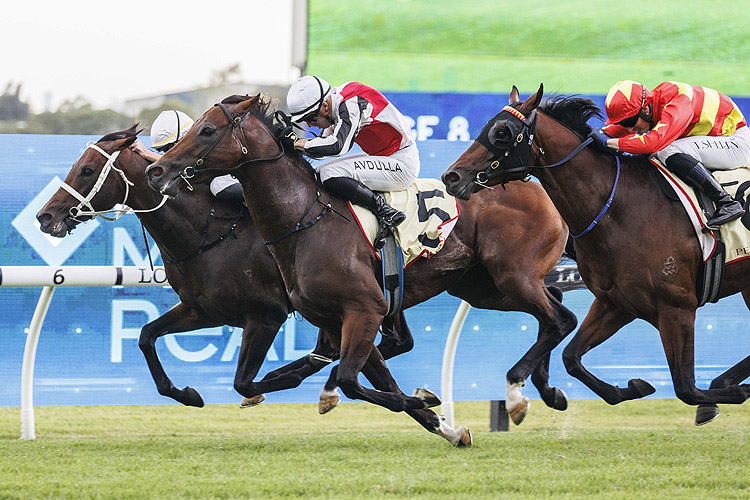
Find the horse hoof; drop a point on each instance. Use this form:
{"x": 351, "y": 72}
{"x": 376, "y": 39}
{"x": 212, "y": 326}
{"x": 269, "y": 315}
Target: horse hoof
{"x": 705, "y": 413}
{"x": 253, "y": 401}
{"x": 464, "y": 437}
{"x": 429, "y": 398}
{"x": 518, "y": 411}
{"x": 327, "y": 403}
{"x": 558, "y": 401}
{"x": 640, "y": 387}
{"x": 191, "y": 397}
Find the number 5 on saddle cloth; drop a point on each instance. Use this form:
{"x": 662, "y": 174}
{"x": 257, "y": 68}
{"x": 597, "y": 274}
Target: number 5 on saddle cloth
{"x": 431, "y": 214}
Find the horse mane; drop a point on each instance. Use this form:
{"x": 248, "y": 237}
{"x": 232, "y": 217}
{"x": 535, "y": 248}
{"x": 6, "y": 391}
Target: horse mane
{"x": 122, "y": 134}
{"x": 572, "y": 111}
{"x": 264, "y": 109}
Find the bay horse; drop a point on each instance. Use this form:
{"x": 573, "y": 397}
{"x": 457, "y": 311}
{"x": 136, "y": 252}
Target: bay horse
{"x": 329, "y": 269}
{"x": 215, "y": 261}
{"x": 637, "y": 251}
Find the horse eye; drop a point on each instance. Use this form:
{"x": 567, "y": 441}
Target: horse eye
{"x": 86, "y": 171}
{"x": 206, "y": 131}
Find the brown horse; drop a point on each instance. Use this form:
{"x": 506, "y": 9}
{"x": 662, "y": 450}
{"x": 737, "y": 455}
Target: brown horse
{"x": 627, "y": 232}
{"x": 330, "y": 270}
{"x": 215, "y": 261}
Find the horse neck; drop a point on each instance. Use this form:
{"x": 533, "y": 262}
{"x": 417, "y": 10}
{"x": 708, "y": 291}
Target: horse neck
{"x": 581, "y": 186}
{"x": 178, "y": 225}
{"x": 278, "y": 193}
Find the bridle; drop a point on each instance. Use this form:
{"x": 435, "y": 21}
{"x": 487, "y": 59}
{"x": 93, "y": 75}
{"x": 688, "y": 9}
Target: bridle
{"x": 85, "y": 201}
{"x": 235, "y": 127}
{"x": 503, "y": 150}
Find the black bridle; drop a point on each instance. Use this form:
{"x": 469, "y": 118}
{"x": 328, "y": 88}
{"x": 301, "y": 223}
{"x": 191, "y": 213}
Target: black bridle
{"x": 235, "y": 127}
{"x": 503, "y": 144}
{"x": 504, "y": 149}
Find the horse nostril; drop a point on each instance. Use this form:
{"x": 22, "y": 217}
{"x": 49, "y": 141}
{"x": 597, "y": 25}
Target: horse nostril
{"x": 44, "y": 219}
{"x": 155, "y": 171}
{"x": 450, "y": 178}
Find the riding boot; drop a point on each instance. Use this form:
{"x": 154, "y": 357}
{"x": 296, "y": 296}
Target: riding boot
{"x": 356, "y": 192}
{"x": 696, "y": 175}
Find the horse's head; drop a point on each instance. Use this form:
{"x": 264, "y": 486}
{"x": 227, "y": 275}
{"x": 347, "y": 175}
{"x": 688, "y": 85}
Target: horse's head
{"x": 91, "y": 185}
{"x": 217, "y": 144}
{"x": 500, "y": 153}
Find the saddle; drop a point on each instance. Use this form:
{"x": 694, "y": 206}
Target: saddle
{"x": 730, "y": 242}
{"x": 431, "y": 214}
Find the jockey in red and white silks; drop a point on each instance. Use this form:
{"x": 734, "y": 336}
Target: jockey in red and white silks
{"x": 349, "y": 114}
{"x": 362, "y": 115}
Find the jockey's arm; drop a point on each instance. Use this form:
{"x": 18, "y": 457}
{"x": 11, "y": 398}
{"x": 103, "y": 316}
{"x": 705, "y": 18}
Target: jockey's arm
{"x": 145, "y": 153}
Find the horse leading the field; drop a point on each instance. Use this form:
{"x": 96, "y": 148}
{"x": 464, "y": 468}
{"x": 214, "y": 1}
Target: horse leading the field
{"x": 330, "y": 271}
{"x": 215, "y": 261}
{"x": 637, "y": 251}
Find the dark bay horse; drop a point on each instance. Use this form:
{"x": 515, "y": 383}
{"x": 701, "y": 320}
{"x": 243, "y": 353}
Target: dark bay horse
{"x": 215, "y": 261}
{"x": 640, "y": 260}
{"x": 495, "y": 258}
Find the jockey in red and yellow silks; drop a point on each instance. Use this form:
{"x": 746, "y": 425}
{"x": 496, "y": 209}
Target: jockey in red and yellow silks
{"x": 690, "y": 129}
{"x": 679, "y": 110}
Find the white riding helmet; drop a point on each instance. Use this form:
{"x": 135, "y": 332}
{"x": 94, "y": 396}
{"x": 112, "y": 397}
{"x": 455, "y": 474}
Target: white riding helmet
{"x": 168, "y": 128}
{"x": 306, "y": 95}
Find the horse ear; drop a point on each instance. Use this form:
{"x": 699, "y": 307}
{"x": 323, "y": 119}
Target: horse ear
{"x": 537, "y": 98}
{"x": 533, "y": 101}
{"x": 124, "y": 143}
{"x": 248, "y": 103}
{"x": 514, "y": 96}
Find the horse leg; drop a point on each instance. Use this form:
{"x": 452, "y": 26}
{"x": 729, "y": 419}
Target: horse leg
{"x": 676, "y": 328}
{"x": 357, "y": 335}
{"x": 383, "y": 381}
{"x": 290, "y": 375}
{"x": 707, "y": 412}
{"x": 602, "y": 321}
{"x": 502, "y": 290}
{"x": 396, "y": 339}
{"x": 257, "y": 338}
{"x": 180, "y": 318}
{"x": 555, "y": 323}
{"x": 552, "y": 396}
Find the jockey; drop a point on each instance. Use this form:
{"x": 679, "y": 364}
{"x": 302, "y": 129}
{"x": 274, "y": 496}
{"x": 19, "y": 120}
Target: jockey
{"x": 351, "y": 113}
{"x": 690, "y": 129}
{"x": 168, "y": 128}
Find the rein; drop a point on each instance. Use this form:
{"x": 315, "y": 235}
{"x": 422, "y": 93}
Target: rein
{"x": 528, "y": 126}
{"x": 85, "y": 201}
{"x": 235, "y": 125}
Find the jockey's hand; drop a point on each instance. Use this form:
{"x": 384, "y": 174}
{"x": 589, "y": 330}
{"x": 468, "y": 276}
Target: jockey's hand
{"x": 288, "y": 137}
{"x": 599, "y": 139}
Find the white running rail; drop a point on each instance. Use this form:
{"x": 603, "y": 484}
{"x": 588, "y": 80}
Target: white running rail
{"x": 49, "y": 278}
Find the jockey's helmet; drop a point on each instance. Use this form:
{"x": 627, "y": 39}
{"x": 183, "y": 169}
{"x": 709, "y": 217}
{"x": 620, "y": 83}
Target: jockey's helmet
{"x": 168, "y": 128}
{"x": 305, "y": 97}
{"x": 624, "y": 100}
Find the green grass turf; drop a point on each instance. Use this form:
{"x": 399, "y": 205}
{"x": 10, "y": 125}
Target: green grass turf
{"x": 640, "y": 449}
{"x": 570, "y": 46}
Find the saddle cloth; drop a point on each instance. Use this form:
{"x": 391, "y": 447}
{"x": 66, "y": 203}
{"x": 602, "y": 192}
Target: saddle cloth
{"x": 735, "y": 235}
{"x": 431, "y": 214}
